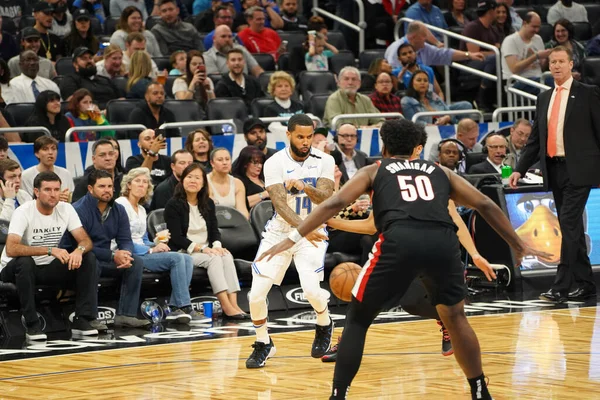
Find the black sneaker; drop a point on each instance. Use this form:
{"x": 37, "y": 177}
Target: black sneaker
{"x": 331, "y": 355}
{"x": 447, "y": 349}
{"x": 35, "y": 333}
{"x": 81, "y": 326}
{"x": 322, "y": 342}
{"x": 261, "y": 353}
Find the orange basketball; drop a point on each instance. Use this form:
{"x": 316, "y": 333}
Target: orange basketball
{"x": 342, "y": 280}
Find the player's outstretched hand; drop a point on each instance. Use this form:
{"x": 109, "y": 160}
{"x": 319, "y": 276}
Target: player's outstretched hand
{"x": 278, "y": 248}
{"x": 528, "y": 251}
{"x": 483, "y": 264}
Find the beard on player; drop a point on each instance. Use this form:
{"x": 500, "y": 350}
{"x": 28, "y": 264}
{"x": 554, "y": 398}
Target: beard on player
{"x": 300, "y": 152}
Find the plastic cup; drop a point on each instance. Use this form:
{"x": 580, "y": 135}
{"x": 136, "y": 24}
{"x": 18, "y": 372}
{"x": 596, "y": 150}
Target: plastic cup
{"x": 207, "y": 306}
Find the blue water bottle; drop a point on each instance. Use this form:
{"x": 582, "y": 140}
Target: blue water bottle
{"x": 226, "y": 129}
{"x": 153, "y": 312}
{"x": 166, "y": 308}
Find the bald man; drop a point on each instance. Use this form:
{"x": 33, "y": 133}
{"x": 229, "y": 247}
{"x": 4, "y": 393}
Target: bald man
{"x": 151, "y": 113}
{"x": 150, "y": 145}
{"x": 216, "y": 58}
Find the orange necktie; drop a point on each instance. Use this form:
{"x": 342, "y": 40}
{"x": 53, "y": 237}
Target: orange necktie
{"x": 553, "y": 123}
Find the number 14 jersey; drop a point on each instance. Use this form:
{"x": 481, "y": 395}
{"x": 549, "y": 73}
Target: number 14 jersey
{"x": 415, "y": 190}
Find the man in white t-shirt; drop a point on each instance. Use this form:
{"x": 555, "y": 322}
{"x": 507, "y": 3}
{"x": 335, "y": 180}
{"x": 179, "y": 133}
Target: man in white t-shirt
{"x": 567, "y": 9}
{"x": 11, "y": 194}
{"x": 297, "y": 178}
{"x": 32, "y": 256}
{"x": 45, "y": 149}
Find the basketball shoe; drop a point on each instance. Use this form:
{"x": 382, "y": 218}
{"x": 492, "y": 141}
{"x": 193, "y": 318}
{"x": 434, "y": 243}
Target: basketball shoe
{"x": 447, "y": 349}
{"x": 322, "y": 342}
{"x": 261, "y": 353}
{"x": 331, "y": 355}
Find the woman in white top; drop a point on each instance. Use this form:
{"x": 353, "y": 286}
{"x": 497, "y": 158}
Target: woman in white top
{"x": 195, "y": 84}
{"x": 136, "y": 189}
{"x": 131, "y": 21}
{"x": 225, "y": 190}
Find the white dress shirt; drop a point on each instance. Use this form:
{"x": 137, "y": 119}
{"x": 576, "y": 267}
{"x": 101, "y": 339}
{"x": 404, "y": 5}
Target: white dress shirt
{"x": 22, "y": 92}
{"x": 498, "y": 167}
{"x": 564, "y": 98}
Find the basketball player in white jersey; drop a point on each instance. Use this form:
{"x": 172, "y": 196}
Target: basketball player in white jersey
{"x": 297, "y": 178}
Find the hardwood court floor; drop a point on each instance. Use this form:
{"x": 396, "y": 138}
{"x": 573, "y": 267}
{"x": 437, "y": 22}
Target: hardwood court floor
{"x": 533, "y": 355}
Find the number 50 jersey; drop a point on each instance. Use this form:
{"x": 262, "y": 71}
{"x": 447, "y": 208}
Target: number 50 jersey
{"x": 281, "y": 167}
{"x": 415, "y": 190}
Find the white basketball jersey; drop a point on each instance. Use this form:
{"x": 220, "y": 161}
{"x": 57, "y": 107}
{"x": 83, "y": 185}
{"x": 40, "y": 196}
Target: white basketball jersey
{"x": 281, "y": 167}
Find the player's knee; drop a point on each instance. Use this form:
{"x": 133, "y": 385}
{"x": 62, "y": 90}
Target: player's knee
{"x": 315, "y": 294}
{"x": 451, "y": 313}
{"x": 254, "y": 297}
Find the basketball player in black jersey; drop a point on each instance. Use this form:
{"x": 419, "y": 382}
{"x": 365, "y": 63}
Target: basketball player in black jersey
{"x": 410, "y": 200}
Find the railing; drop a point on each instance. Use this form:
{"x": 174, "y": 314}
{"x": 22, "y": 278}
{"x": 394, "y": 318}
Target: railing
{"x": 101, "y": 128}
{"x": 27, "y": 129}
{"x": 511, "y": 110}
{"x": 335, "y": 119}
{"x": 195, "y": 124}
{"x": 360, "y": 27}
{"x": 285, "y": 119}
{"x": 444, "y": 112}
{"x": 519, "y": 98}
{"x": 483, "y": 45}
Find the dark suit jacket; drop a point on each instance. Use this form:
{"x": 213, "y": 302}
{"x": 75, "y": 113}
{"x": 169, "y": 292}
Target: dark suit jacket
{"x": 177, "y": 217}
{"x": 360, "y": 159}
{"x": 483, "y": 167}
{"x": 581, "y": 136}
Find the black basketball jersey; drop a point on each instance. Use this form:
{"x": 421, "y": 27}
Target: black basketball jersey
{"x": 415, "y": 190}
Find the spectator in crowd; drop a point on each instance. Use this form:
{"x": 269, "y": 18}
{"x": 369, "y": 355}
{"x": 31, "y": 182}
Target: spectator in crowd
{"x": 503, "y": 22}
{"x": 281, "y": 88}
{"x": 178, "y": 61}
{"x": 319, "y": 51}
{"x": 255, "y": 134}
{"x": 136, "y": 42}
{"x": 236, "y": 83}
{"x": 519, "y": 134}
{"x": 199, "y": 144}
{"x": 131, "y": 21}
{"x": 199, "y": 6}
{"x": 377, "y": 66}
{"x": 451, "y": 153}
{"x": 382, "y": 97}
{"x": 420, "y": 99}
{"x": 180, "y": 159}
{"x": 32, "y": 256}
{"x": 62, "y": 19}
{"x": 27, "y": 87}
{"x": 496, "y": 145}
{"x": 46, "y": 113}
{"x": 52, "y": 46}
{"x": 347, "y": 100}
{"x": 523, "y": 52}
{"x": 151, "y": 113}
{"x": 150, "y": 145}
{"x": 410, "y": 64}
{"x": 8, "y": 44}
{"x": 352, "y": 160}
{"x": 223, "y": 16}
{"x": 517, "y": 21}
{"x": 224, "y": 189}
{"x": 194, "y": 85}
{"x": 118, "y": 7}
{"x": 136, "y": 190}
{"x": 467, "y": 132}
{"x": 140, "y": 70}
{"x": 12, "y": 195}
{"x": 317, "y": 24}
{"x": 106, "y": 221}
{"x": 292, "y": 21}
{"x": 86, "y": 77}
{"x": 249, "y": 170}
{"x": 455, "y": 16}
{"x": 94, "y": 7}
{"x": 104, "y": 158}
{"x": 81, "y": 34}
{"x": 381, "y": 17}
{"x": 567, "y": 9}
{"x": 426, "y": 12}
{"x": 564, "y": 34}
{"x": 153, "y": 8}
{"x": 207, "y": 20}
{"x": 257, "y": 38}
{"x": 83, "y": 112}
{"x": 427, "y": 54}
{"x": 216, "y": 57}
{"x": 173, "y": 34}
{"x": 45, "y": 150}
{"x": 14, "y": 10}
{"x": 30, "y": 40}
{"x": 119, "y": 163}
{"x": 268, "y": 7}
{"x": 111, "y": 66}
{"x": 192, "y": 221}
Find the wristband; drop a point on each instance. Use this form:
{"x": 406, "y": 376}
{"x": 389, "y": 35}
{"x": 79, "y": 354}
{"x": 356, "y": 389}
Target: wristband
{"x": 49, "y": 251}
{"x": 295, "y": 236}
{"x": 202, "y": 248}
{"x": 260, "y": 195}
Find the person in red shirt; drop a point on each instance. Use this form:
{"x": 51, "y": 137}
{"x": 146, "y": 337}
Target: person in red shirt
{"x": 257, "y": 38}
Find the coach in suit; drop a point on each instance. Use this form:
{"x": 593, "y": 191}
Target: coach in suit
{"x": 566, "y": 139}
{"x": 351, "y": 159}
{"x": 495, "y": 148}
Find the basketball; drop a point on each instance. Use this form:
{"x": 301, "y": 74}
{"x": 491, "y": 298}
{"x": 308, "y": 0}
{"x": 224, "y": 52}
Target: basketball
{"x": 342, "y": 280}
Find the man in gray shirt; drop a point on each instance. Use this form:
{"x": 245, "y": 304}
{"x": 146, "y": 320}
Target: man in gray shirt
{"x": 216, "y": 58}
{"x": 172, "y": 33}
{"x": 31, "y": 40}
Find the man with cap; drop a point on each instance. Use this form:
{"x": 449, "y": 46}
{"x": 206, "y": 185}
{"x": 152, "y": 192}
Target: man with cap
{"x": 255, "y": 134}
{"x": 52, "y": 47}
{"x": 31, "y": 40}
{"x": 26, "y": 87}
{"x": 62, "y": 20}
{"x": 85, "y": 77}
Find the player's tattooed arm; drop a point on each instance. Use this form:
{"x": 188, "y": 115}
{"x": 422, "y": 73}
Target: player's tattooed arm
{"x": 278, "y": 195}
{"x": 322, "y": 192}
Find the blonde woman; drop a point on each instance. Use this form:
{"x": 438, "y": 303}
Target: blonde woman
{"x": 281, "y": 87}
{"x": 136, "y": 190}
{"x": 111, "y": 66}
{"x": 140, "y": 70}
{"x": 225, "y": 190}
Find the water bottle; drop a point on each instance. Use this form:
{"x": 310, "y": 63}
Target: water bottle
{"x": 166, "y": 308}
{"x": 226, "y": 129}
{"x": 153, "y": 312}
{"x": 506, "y": 173}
